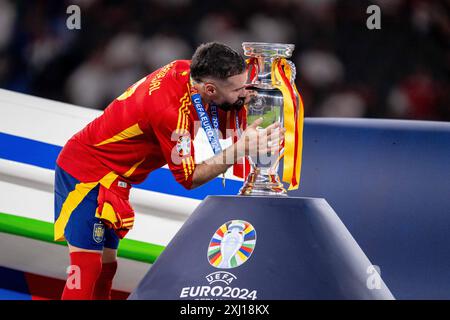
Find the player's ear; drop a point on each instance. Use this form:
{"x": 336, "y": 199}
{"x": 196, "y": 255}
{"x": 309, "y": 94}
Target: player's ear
{"x": 210, "y": 89}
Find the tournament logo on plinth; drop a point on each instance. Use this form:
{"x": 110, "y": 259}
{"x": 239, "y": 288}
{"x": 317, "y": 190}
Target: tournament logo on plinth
{"x": 232, "y": 244}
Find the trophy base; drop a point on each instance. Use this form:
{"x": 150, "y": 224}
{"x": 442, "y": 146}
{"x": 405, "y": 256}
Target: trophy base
{"x": 262, "y": 183}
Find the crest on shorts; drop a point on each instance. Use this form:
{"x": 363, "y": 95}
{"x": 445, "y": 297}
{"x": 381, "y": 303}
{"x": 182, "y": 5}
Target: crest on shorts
{"x": 99, "y": 232}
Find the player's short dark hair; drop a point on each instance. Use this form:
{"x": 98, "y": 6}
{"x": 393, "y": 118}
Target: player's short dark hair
{"x": 216, "y": 60}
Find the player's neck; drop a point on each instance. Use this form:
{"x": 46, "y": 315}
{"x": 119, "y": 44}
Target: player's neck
{"x": 205, "y": 100}
{"x": 205, "y": 103}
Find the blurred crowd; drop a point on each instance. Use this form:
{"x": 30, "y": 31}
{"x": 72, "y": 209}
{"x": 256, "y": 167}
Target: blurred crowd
{"x": 343, "y": 69}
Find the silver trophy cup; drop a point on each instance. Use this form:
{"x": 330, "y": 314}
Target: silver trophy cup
{"x": 267, "y": 102}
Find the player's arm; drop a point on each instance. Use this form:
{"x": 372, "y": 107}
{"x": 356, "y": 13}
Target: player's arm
{"x": 211, "y": 168}
{"x": 252, "y": 142}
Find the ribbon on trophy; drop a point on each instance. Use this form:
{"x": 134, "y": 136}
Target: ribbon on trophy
{"x": 252, "y": 68}
{"x": 293, "y": 121}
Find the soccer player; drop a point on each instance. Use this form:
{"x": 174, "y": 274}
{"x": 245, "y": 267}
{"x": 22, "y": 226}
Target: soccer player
{"x": 151, "y": 124}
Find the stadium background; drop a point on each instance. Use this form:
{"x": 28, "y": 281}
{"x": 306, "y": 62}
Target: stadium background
{"x": 344, "y": 70}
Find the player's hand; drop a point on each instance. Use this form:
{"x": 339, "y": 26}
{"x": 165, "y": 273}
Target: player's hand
{"x": 258, "y": 141}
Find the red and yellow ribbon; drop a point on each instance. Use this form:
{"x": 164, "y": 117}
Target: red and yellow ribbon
{"x": 293, "y": 122}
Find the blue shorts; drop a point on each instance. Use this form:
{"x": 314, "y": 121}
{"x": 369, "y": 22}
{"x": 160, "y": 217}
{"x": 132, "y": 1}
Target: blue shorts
{"x": 75, "y": 221}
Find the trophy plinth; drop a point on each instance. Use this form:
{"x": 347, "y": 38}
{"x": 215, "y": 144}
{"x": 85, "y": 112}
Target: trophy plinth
{"x": 267, "y": 102}
{"x": 271, "y": 248}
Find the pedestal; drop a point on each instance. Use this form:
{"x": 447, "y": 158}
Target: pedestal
{"x": 262, "y": 248}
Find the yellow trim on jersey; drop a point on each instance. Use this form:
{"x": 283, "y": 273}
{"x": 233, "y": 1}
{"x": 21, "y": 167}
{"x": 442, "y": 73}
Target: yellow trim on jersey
{"x": 130, "y": 132}
{"x": 190, "y": 164}
{"x": 186, "y": 174}
{"x": 183, "y": 111}
{"x": 179, "y": 112}
{"x": 132, "y": 169}
{"x": 129, "y": 92}
{"x": 128, "y": 225}
{"x": 108, "y": 179}
{"x": 107, "y": 213}
{"x": 74, "y": 198}
{"x": 183, "y": 128}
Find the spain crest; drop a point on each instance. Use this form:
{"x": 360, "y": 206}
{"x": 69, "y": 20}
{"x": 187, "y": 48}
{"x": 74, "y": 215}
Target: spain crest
{"x": 99, "y": 232}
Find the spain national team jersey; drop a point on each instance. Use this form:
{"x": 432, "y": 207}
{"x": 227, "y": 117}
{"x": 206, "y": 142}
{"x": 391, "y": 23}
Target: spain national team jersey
{"x": 151, "y": 124}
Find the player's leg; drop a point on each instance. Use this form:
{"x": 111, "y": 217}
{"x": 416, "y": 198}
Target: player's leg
{"x": 85, "y": 236}
{"x": 109, "y": 267}
{"x": 98, "y": 267}
{"x": 75, "y": 221}
{"x": 109, "y": 255}
{"x": 85, "y": 268}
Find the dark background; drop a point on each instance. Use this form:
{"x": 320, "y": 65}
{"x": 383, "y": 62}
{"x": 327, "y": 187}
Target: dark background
{"x": 343, "y": 68}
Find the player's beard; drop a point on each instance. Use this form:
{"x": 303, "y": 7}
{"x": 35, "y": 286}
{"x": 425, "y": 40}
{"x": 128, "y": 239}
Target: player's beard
{"x": 237, "y": 105}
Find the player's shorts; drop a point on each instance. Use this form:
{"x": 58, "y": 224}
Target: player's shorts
{"x": 75, "y": 221}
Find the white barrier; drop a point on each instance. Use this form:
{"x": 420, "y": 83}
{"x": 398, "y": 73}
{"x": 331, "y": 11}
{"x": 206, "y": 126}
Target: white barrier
{"x": 178, "y": 208}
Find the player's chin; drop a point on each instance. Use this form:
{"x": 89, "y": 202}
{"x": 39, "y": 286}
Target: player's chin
{"x": 232, "y": 106}
{"x": 225, "y": 107}
{"x": 239, "y": 107}
{"x": 239, "y": 104}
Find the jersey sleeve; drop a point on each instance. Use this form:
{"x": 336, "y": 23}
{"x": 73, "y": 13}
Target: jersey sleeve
{"x": 176, "y": 142}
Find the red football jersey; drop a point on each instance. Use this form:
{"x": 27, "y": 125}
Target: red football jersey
{"x": 151, "y": 124}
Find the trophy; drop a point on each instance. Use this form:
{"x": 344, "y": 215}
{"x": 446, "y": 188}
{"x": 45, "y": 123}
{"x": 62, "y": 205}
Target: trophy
{"x": 231, "y": 243}
{"x": 275, "y": 98}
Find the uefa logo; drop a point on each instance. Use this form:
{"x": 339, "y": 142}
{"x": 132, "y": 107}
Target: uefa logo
{"x": 232, "y": 244}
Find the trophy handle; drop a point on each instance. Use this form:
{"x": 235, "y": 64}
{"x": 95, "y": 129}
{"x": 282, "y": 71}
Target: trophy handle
{"x": 293, "y": 71}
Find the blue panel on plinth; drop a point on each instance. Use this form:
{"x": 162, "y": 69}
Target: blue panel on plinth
{"x": 263, "y": 248}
